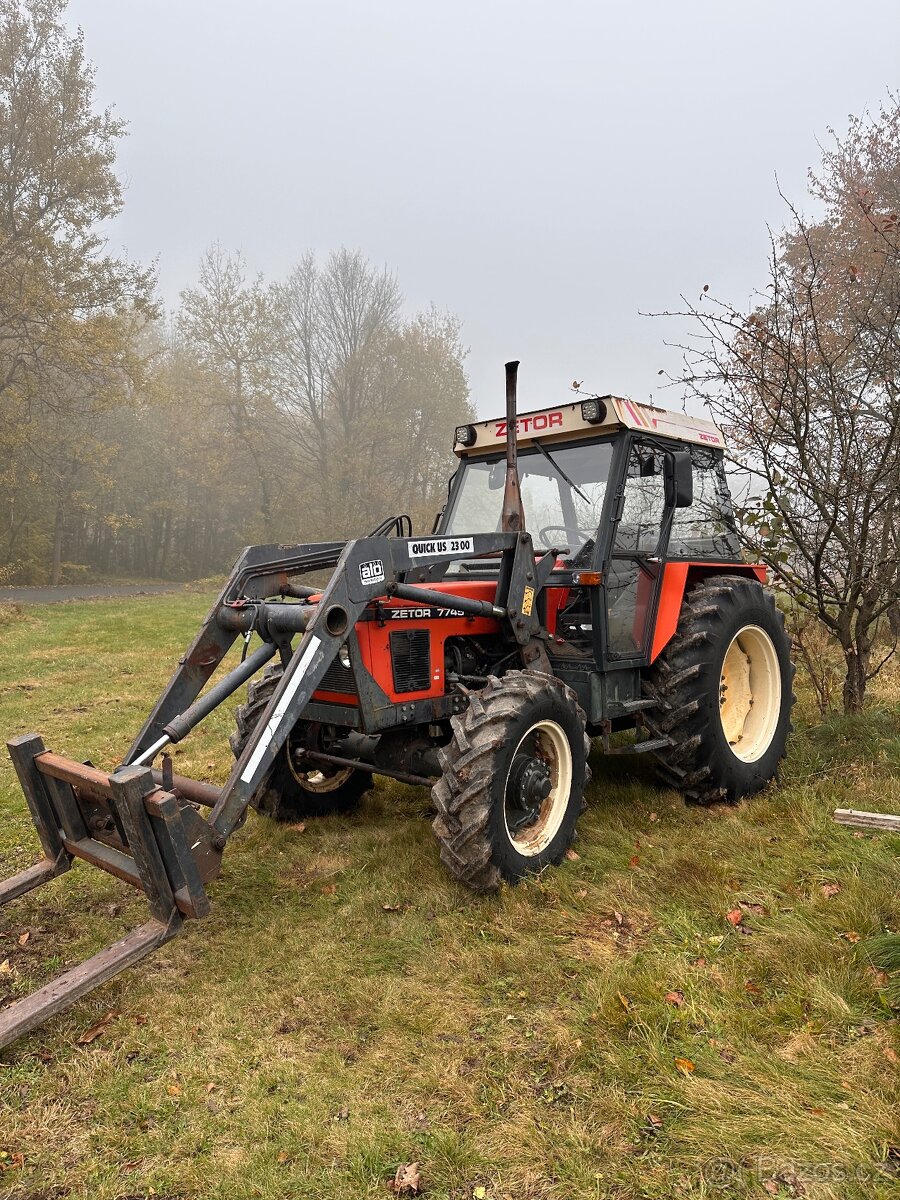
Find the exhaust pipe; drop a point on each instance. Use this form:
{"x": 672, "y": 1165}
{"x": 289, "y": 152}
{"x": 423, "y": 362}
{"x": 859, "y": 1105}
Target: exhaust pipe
{"x": 513, "y": 518}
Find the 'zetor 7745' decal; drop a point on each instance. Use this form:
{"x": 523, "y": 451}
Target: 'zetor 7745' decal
{"x": 421, "y": 614}
{"x": 449, "y": 545}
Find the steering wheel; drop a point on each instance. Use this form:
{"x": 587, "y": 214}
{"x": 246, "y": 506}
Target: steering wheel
{"x": 573, "y": 532}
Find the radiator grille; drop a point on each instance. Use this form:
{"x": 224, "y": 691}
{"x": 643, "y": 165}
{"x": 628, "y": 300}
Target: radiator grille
{"x": 411, "y": 660}
{"x": 338, "y": 678}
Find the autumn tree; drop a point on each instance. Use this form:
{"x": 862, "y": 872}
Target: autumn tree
{"x": 807, "y": 383}
{"x": 227, "y": 322}
{"x": 67, "y": 307}
{"x": 365, "y": 392}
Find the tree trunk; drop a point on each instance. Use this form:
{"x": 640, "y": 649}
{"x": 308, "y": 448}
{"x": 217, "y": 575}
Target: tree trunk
{"x": 58, "y": 524}
{"x": 855, "y": 681}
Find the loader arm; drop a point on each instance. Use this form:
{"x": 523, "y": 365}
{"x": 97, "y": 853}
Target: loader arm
{"x": 144, "y": 826}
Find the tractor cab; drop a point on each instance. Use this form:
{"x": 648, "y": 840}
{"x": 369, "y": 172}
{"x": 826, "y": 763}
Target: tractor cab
{"x": 622, "y": 492}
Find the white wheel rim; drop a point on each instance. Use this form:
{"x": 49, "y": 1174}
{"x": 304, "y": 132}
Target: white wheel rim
{"x": 750, "y": 693}
{"x": 317, "y": 780}
{"x": 554, "y": 751}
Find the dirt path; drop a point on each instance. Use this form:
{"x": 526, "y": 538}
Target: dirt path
{"x": 83, "y": 591}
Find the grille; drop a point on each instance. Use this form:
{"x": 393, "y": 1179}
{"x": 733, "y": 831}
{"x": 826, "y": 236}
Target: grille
{"x": 338, "y": 678}
{"x": 411, "y": 660}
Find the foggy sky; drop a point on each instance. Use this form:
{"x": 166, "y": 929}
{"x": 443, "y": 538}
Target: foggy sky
{"x": 545, "y": 171}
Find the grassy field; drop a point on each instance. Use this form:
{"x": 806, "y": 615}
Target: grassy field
{"x": 605, "y": 1031}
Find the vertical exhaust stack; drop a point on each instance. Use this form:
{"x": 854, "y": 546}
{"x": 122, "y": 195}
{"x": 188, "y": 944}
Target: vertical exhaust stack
{"x": 513, "y": 513}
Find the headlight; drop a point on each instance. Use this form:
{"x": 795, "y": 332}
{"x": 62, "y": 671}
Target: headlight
{"x": 593, "y": 411}
{"x": 465, "y": 435}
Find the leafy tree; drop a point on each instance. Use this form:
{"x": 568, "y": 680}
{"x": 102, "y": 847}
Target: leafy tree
{"x": 808, "y": 385}
{"x": 66, "y": 307}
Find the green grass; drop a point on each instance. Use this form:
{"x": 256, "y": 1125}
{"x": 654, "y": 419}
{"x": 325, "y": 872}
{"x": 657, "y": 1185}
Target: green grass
{"x": 304, "y": 1039}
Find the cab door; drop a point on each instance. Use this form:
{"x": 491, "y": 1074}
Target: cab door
{"x": 632, "y": 572}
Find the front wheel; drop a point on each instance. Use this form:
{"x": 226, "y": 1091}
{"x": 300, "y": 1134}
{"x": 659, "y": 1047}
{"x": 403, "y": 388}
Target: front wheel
{"x": 289, "y": 793}
{"x": 723, "y": 692}
{"x": 514, "y": 775}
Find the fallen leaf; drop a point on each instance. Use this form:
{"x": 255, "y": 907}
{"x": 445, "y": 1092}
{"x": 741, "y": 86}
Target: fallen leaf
{"x": 390, "y": 907}
{"x": 624, "y": 1001}
{"x": 654, "y": 1120}
{"x": 699, "y": 962}
{"x": 23, "y": 937}
{"x": 684, "y": 1065}
{"x": 675, "y": 998}
{"x": 634, "y": 861}
{"x": 753, "y": 988}
{"x": 618, "y": 917}
{"x": 282, "y": 1156}
{"x": 758, "y": 910}
{"x": 734, "y": 916}
{"x": 299, "y": 827}
{"x": 133, "y": 1165}
{"x": 91, "y": 1035}
{"x": 5, "y": 968}
{"x": 329, "y": 889}
{"x": 581, "y": 894}
{"x": 830, "y": 889}
{"x": 891, "y": 1055}
{"x": 479, "y": 1193}
{"x": 407, "y": 1181}
{"x": 772, "y": 1186}
{"x": 572, "y": 855}
{"x": 211, "y": 1087}
{"x": 174, "y": 1089}
{"x": 851, "y": 936}
{"x": 141, "y": 1018}
{"x": 654, "y": 816}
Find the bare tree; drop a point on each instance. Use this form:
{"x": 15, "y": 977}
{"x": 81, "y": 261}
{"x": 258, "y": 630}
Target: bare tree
{"x": 808, "y": 386}
{"x": 228, "y": 322}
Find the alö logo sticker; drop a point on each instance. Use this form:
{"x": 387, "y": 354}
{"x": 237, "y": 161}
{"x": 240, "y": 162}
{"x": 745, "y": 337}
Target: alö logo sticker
{"x": 372, "y": 572}
{"x": 435, "y": 546}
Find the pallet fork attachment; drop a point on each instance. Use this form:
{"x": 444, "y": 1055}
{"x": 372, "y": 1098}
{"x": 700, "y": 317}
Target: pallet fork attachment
{"x": 146, "y": 837}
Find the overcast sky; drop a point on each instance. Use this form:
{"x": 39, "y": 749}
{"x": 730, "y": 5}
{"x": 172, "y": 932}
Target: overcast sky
{"x": 545, "y": 171}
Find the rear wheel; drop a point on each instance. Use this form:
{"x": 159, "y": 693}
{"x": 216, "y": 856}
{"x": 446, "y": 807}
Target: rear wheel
{"x": 514, "y": 775}
{"x": 288, "y": 793}
{"x": 723, "y": 692}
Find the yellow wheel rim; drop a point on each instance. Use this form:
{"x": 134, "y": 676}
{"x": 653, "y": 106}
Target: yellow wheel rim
{"x": 750, "y": 693}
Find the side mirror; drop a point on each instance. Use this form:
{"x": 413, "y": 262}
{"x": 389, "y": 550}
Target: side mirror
{"x": 679, "y": 479}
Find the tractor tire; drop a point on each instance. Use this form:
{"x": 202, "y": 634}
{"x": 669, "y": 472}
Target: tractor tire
{"x": 514, "y": 774}
{"x": 287, "y": 794}
{"x": 723, "y": 695}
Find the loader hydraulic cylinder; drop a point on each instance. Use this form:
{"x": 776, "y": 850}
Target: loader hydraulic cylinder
{"x": 182, "y": 725}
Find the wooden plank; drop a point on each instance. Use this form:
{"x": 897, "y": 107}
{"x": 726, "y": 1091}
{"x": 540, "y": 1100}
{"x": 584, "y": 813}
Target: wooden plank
{"x": 877, "y": 822}
{"x": 26, "y": 1014}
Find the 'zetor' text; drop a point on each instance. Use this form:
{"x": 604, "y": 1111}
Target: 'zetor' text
{"x": 532, "y": 424}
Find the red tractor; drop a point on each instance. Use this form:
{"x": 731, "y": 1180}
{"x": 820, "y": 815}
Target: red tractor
{"x": 583, "y": 577}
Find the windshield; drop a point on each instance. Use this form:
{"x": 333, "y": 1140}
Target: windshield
{"x": 556, "y": 514}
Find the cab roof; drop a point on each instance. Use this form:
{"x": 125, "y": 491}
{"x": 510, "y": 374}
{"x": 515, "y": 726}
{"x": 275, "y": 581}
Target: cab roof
{"x": 593, "y": 417}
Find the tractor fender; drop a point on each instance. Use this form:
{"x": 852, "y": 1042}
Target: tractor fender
{"x": 677, "y": 578}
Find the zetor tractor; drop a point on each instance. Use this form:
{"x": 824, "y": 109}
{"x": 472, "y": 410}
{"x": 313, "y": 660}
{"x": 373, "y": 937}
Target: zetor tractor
{"x": 584, "y": 577}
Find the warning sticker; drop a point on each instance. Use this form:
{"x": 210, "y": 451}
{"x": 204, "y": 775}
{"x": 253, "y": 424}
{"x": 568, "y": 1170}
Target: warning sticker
{"x": 528, "y": 601}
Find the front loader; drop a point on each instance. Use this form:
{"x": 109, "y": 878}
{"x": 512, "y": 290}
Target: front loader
{"x": 478, "y": 660}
